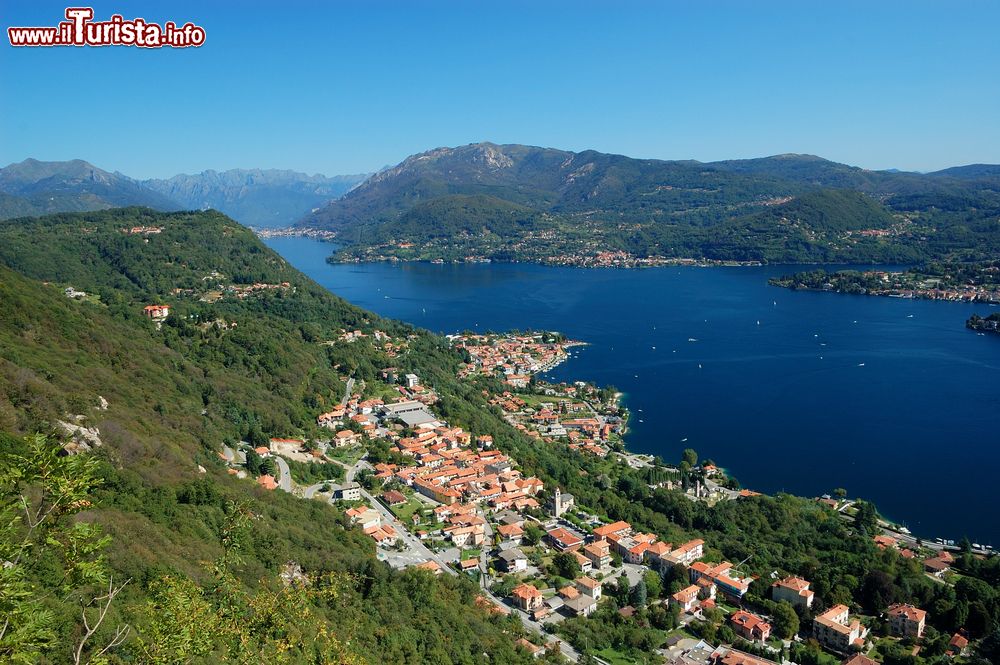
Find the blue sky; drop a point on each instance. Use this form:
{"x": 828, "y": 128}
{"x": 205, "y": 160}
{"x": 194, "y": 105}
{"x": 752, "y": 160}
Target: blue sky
{"x": 347, "y": 87}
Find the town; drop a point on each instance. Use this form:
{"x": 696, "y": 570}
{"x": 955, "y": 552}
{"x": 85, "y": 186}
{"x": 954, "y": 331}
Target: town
{"x": 440, "y": 499}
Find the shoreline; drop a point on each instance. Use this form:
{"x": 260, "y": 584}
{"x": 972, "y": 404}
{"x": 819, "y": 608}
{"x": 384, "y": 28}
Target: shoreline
{"x": 886, "y": 523}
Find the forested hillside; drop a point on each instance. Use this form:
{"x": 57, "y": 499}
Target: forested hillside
{"x": 787, "y": 208}
{"x": 173, "y": 397}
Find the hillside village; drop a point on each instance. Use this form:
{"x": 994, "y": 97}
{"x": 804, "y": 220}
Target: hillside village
{"x": 435, "y": 497}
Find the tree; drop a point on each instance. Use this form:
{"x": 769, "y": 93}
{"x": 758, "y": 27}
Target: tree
{"x": 840, "y": 493}
{"x": 41, "y": 494}
{"x": 565, "y": 565}
{"x": 690, "y": 456}
{"x": 639, "y": 593}
{"x": 786, "y": 621}
{"x": 866, "y": 518}
{"x": 226, "y": 621}
{"x": 532, "y": 534}
{"x": 654, "y": 584}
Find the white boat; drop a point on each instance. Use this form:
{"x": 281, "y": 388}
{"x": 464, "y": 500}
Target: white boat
{"x": 692, "y": 339}
{"x": 861, "y": 364}
{"x": 684, "y": 439}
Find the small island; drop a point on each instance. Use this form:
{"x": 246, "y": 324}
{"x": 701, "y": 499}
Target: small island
{"x": 981, "y": 324}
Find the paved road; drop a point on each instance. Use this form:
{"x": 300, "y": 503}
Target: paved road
{"x": 347, "y": 391}
{"x": 284, "y": 475}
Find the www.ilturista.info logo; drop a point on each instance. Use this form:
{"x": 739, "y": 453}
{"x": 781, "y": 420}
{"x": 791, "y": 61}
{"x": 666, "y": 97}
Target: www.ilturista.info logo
{"x": 80, "y": 30}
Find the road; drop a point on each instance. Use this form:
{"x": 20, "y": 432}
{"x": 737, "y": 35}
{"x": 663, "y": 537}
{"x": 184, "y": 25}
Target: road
{"x": 284, "y": 475}
{"x": 347, "y": 391}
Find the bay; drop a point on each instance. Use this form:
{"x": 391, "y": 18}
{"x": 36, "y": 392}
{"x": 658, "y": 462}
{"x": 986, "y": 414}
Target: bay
{"x": 801, "y": 392}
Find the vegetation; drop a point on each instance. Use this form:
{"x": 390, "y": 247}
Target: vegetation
{"x": 192, "y": 544}
{"x": 522, "y": 203}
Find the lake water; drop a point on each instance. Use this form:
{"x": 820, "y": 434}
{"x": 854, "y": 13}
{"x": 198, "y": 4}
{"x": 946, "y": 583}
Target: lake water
{"x": 804, "y": 392}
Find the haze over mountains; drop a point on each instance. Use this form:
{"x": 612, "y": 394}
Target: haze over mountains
{"x": 781, "y": 208}
{"x": 254, "y": 197}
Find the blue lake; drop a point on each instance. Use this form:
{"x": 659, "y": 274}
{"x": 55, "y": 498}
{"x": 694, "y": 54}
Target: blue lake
{"x": 804, "y": 392}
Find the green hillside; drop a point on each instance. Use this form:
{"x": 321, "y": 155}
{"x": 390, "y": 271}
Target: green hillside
{"x": 786, "y": 208}
{"x": 173, "y": 396}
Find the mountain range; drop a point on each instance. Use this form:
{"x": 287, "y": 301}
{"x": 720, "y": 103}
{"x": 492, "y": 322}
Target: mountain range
{"x": 254, "y": 197}
{"x": 258, "y": 198}
{"x": 540, "y": 204}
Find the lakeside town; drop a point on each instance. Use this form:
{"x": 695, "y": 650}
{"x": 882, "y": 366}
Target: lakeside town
{"x": 438, "y": 498}
{"x": 974, "y": 283}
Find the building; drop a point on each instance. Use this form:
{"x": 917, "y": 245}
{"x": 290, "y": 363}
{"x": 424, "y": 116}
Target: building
{"x": 559, "y": 503}
{"x": 156, "y": 312}
{"x": 430, "y": 566}
{"x": 589, "y": 586}
{"x": 722, "y": 576}
{"x": 411, "y": 380}
{"x": 347, "y": 492}
{"x": 615, "y": 529}
{"x": 581, "y": 606}
{"x": 750, "y": 626}
{"x": 267, "y": 482}
{"x": 794, "y": 591}
{"x": 906, "y": 621}
{"x": 686, "y": 599}
{"x": 527, "y": 597}
{"x": 938, "y": 565}
{"x": 393, "y": 498}
{"x": 728, "y": 656}
{"x": 512, "y": 561}
{"x": 533, "y": 649}
{"x": 564, "y": 540}
{"x": 364, "y": 516}
{"x": 958, "y": 644}
{"x": 511, "y": 533}
{"x": 835, "y": 630}
{"x": 599, "y": 553}
{"x": 859, "y": 659}
{"x": 687, "y": 553}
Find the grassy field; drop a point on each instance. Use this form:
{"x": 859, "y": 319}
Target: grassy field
{"x": 405, "y": 511}
{"x": 348, "y": 455}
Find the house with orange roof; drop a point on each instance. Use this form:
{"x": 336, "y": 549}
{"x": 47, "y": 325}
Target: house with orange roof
{"x": 750, "y": 626}
{"x": 886, "y": 542}
{"x": 568, "y": 592}
{"x": 512, "y": 533}
{"x": 526, "y": 597}
{"x": 430, "y": 566}
{"x": 722, "y": 576}
{"x": 906, "y": 620}
{"x": 728, "y": 656}
{"x": 958, "y": 644}
{"x": 859, "y": 659}
{"x": 599, "y": 554}
{"x": 533, "y": 649}
{"x": 563, "y": 540}
{"x": 267, "y": 482}
{"x": 364, "y": 516}
{"x": 615, "y": 529}
{"x": 835, "y": 630}
{"x": 589, "y": 586}
{"x": 793, "y": 590}
{"x": 156, "y": 312}
{"x": 686, "y": 599}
